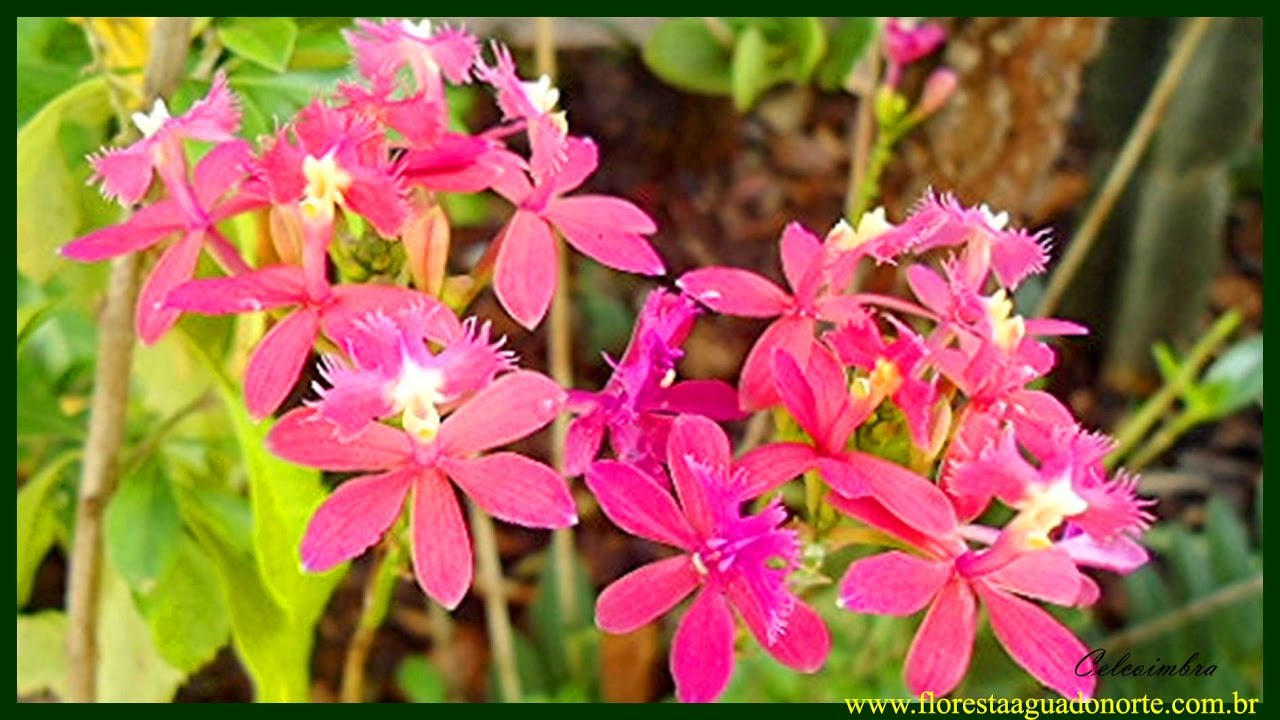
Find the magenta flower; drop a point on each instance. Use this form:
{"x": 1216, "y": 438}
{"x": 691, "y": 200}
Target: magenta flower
{"x": 817, "y": 395}
{"x": 642, "y": 397}
{"x": 192, "y": 211}
{"x": 393, "y": 373}
{"x": 420, "y": 468}
{"x": 745, "y": 294}
{"x": 908, "y": 41}
{"x": 607, "y": 229}
{"x": 950, "y": 579}
{"x": 731, "y": 560}
{"x": 277, "y": 361}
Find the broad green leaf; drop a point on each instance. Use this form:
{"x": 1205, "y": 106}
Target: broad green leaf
{"x": 275, "y": 644}
{"x": 129, "y": 667}
{"x": 143, "y": 527}
{"x": 805, "y": 42}
{"x": 420, "y": 681}
{"x": 1238, "y": 372}
{"x": 274, "y": 649}
{"x": 849, "y": 43}
{"x": 271, "y": 98}
{"x": 49, "y": 211}
{"x": 42, "y": 653}
{"x": 1233, "y": 560}
{"x": 38, "y": 520}
{"x": 749, "y": 72}
{"x": 684, "y": 53}
{"x": 265, "y": 41}
{"x": 167, "y": 377}
{"x": 187, "y": 611}
{"x": 320, "y": 45}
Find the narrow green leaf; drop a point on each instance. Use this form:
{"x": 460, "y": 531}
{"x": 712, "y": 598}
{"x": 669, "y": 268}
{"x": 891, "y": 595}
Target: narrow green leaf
{"x": 1167, "y": 363}
{"x": 749, "y": 71}
{"x": 38, "y": 520}
{"x": 849, "y": 43}
{"x": 684, "y": 53}
{"x": 143, "y": 527}
{"x": 265, "y": 41}
{"x": 49, "y": 211}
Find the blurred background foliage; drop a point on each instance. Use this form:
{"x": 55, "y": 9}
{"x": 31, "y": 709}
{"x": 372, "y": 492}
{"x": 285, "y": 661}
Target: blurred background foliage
{"x": 204, "y": 598}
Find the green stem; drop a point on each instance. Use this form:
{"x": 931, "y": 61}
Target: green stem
{"x": 1135, "y": 428}
{"x": 377, "y": 603}
{"x": 1157, "y": 444}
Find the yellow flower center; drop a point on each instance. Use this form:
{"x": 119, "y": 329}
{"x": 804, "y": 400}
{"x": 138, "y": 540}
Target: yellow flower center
{"x": 326, "y": 181}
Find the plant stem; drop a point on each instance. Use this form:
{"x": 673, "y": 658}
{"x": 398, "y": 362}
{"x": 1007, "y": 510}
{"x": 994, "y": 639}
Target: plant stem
{"x": 1126, "y": 163}
{"x": 863, "y": 133}
{"x": 560, "y": 359}
{"x": 108, "y": 407}
{"x": 1207, "y": 605}
{"x": 1157, "y": 444}
{"x": 1134, "y": 429}
{"x": 442, "y": 648}
{"x": 489, "y": 570}
{"x": 378, "y": 592}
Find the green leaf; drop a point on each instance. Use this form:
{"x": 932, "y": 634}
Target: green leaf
{"x": 420, "y": 681}
{"x": 42, "y": 653}
{"x": 274, "y": 603}
{"x": 749, "y": 70}
{"x": 1167, "y": 363}
{"x": 38, "y": 520}
{"x": 555, "y": 639}
{"x": 129, "y": 667}
{"x": 274, "y": 649}
{"x": 190, "y": 590}
{"x": 270, "y": 97}
{"x": 1238, "y": 372}
{"x": 849, "y": 43}
{"x": 804, "y": 41}
{"x": 683, "y": 52}
{"x": 49, "y": 211}
{"x": 142, "y": 528}
{"x": 321, "y": 46}
{"x": 265, "y": 41}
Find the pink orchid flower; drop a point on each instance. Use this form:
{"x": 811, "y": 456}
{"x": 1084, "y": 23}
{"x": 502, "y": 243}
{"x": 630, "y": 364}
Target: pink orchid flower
{"x": 277, "y": 361}
{"x": 429, "y": 53}
{"x": 607, "y": 229}
{"x": 894, "y": 369}
{"x": 950, "y": 579}
{"x": 531, "y": 105}
{"x": 743, "y": 293}
{"x": 421, "y": 468}
{"x": 192, "y": 211}
{"x": 126, "y": 173}
{"x": 989, "y": 246}
{"x": 818, "y": 396}
{"x": 1070, "y": 483}
{"x": 732, "y": 561}
{"x": 393, "y": 372}
{"x": 642, "y": 397}
{"x": 906, "y": 42}
{"x": 338, "y": 159}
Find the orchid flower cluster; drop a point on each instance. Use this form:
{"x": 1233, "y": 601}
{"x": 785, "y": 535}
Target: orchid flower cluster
{"x": 416, "y": 401}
